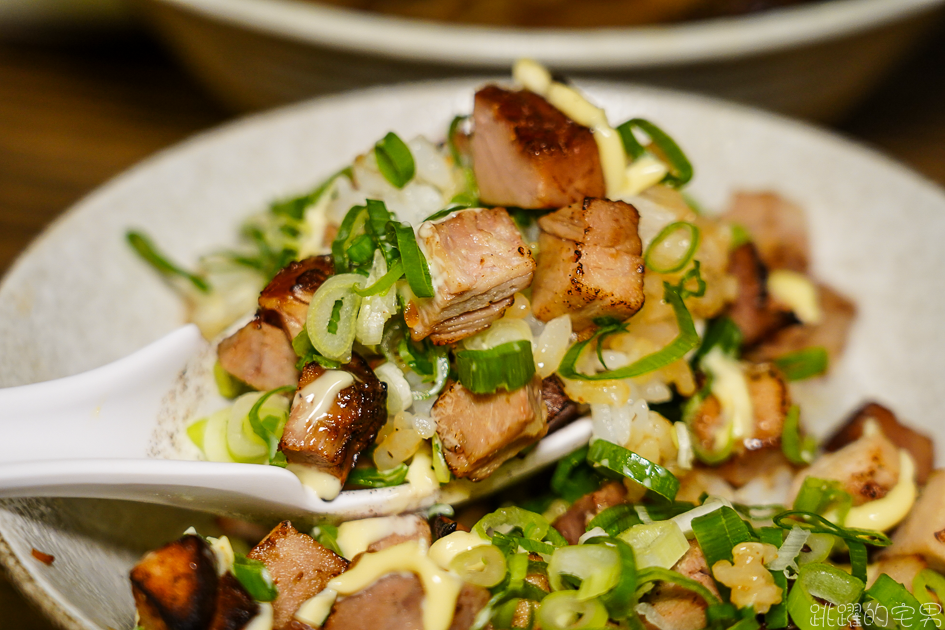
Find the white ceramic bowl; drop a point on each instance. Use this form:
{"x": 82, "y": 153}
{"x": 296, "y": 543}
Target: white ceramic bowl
{"x": 812, "y": 60}
{"x": 79, "y": 298}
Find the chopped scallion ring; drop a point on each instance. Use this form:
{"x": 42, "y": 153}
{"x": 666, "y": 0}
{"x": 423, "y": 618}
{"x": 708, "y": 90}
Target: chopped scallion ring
{"x": 331, "y": 328}
{"x": 680, "y": 169}
{"x": 508, "y": 366}
{"x": 672, "y": 250}
{"x": 651, "y": 476}
{"x": 394, "y": 160}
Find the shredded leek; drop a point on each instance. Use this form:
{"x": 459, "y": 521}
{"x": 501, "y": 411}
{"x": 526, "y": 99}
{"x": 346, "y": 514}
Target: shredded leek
{"x": 803, "y": 364}
{"x": 371, "y": 477}
{"x": 653, "y": 477}
{"x": 798, "y": 450}
{"x": 415, "y": 264}
{"x": 255, "y": 578}
{"x": 394, "y": 160}
{"x": 148, "y": 252}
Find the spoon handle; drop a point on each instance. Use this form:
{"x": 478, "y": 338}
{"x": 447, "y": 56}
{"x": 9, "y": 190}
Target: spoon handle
{"x": 108, "y": 412}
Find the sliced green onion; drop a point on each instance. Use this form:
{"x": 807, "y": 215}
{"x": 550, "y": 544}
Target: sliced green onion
{"x": 483, "y": 566}
{"x": 415, "y": 264}
{"x": 858, "y": 559}
{"x": 505, "y": 519}
{"x": 905, "y": 609}
{"x": 294, "y": 208}
{"x": 823, "y": 496}
{"x": 394, "y": 160}
{"x": 651, "y": 476}
{"x": 440, "y": 468}
{"x": 824, "y": 582}
{"x": 269, "y": 429}
{"x": 721, "y": 333}
{"x": 361, "y": 251}
{"x": 820, "y": 546}
{"x": 373, "y": 478}
{"x": 255, "y": 578}
{"x": 327, "y": 536}
{"x": 228, "y": 385}
{"x": 805, "y": 363}
{"x": 615, "y": 519}
{"x": 442, "y": 214}
{"x": 798, "y": 450}
{"x": 687, "y": 339}
{"x": 441, "y": 372}
{"x": 351, "y": 227}
{"x": 597, "y": 566}
{"x": 573, "y": 477}
{"x": 508, "y": 366}
{"x": 819, "y": 525}
{"x": 242, "y": 439}
{"x": 777, "y": 615}
{"x": 196, "y": 432}
{"x": 336, "y": 344}
{"x": 620, "y": 599}
{"x": 718, "y": 532}
{"x": 679, "y": 166}
{"x": 663, "y": 262}
{"x": 451, "y": 138}
{"x": 146, "y": 250}
{"x": 564, "y": 610}
{"x": 658, "y": 544}
{"x": 693, "y": 275}
{"x": 385, "y": 282}
{"x": 929, "y": 589}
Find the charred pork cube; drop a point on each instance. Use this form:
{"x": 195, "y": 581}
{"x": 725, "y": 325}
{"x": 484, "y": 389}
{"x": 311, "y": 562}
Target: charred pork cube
{"x": 478, "y": 261}
{"x": 260, "y": 355}
{"x": 481, "y": 431}
{"x": 923, "y": 530}
{"x": 590, "y": 264}
{"x": 754, "y": 311}
{"x": 777, "y": 227}
{"x": 335, "y": 415}
{"x": 288, "y": 294}
{"x": 234, "y": 607}
{"x": 573, "y": 523}
{"x": 527, "y": 154}
{"x": 681, "y": 608}
{"x": 560, "y": 409}
{"x": 920, "y": 446}
{"x": 175, "y": 587}
{"x": 300, "y": 569}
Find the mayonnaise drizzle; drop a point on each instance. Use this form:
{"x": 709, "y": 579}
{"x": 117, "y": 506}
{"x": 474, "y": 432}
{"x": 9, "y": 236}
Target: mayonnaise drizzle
{"x": 730, "y": 386}
{"x": 885, "y": 513}
{"x": 319, "y": 395}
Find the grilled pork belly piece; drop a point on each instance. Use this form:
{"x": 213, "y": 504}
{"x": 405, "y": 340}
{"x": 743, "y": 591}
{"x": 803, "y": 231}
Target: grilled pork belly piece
{"x": 590, "y": 264}
{"x": 919, "y": 445}
{"x": 527, "y": 154}
{"x": 328, "y": 432}
{"x": 176, "y": 587}
{"x": 754, "y": 311}
{"x": 681, "y": 608}
{"x": 300, "y": 569}
{"x": 288, "y": 294}
{"x": 406, "y": 527}
{"x": 395, "y": 602}
{"x": 478, "y": 261}
{"x": 481, "y": 431}
{"x": 560, "y": 409}
{"x": 573, "y": 523}
{"x": 903, "y": 569}
{"x": 831, "y": 333}
{"x": 922, "y": 532}
{"x": 260, "y": 355}
{"x": 867, "y": 469}
{"x": 777, "y": 227}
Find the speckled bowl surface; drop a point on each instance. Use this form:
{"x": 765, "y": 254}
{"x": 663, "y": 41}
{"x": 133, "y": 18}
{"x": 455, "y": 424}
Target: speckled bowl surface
{"x": 78, "y": 298}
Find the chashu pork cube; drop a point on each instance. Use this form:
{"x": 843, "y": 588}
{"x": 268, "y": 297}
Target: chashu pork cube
{"x": 922, "y": 532}
{"x": 260, "y": 355}
{"x": 919, "y": 445}
{"x": 335, "y": 415}
{"x": 481, "y": 431}
{"x": 754, "y": 311}
{"x": 527, "y": 154}
{"x": 288, "y": 294}
{"x": 177, "y": 587}
{"x": 573, "y": 523}
{"x": 679, "y": 607}
{"x": 395, "y": 602}
{"x": 478, "y": 261}
{"x": 300, "y": 568}
{"x": 777, "y": 227}
{"x": 590, "y": 264}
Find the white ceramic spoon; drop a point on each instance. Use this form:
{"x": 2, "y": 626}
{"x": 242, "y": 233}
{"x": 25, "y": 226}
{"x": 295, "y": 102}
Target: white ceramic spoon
{"x": 89, "y": 436}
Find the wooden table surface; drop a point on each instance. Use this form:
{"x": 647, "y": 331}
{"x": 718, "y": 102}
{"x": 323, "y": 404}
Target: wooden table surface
{"x": 72, "y": 116}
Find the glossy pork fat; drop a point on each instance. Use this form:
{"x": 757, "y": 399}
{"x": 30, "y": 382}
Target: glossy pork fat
{"x": 527, "y": 154}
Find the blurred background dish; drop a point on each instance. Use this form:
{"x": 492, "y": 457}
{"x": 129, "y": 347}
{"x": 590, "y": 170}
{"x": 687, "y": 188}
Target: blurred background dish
{"x": 813, "y": 59}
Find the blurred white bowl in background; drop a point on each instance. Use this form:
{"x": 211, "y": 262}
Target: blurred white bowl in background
{"x": 812, "y": 60}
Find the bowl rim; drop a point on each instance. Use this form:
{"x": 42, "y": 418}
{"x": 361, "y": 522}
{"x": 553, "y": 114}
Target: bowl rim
{"x": 409, "y": 39}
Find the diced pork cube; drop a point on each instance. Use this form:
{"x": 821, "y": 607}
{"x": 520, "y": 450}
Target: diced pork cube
{"x": 923, "y": 530}
{"x": 175, "y": 587}
{"x": 527, "y": 154}
{"x": 903, "y": 569}
{"x": 260, "y": 355}
{"x": 234, "y": 607}
{"x": 395, "y": 602}
{"x": 777, "y": 227}
{"x": 678, "y": 607}
{"x": 478, "y": 261}
{"x": 754, "y": 311}
{"x": 481, "y": 431}
{"x": 919, "y": 445}
{"x": 327, "y": 431}
{"x": 561, "y": 409}
{"x": 288, "y": 294}
{"x": 867, "y": 469}
{"x": 573, "y": 523}
{"x": 300, "y": 569}
{"x": 590, "y": 264}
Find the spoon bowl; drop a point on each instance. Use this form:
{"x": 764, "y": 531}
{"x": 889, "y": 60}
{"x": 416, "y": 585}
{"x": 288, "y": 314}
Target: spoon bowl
{"x": 94, "y": 435}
